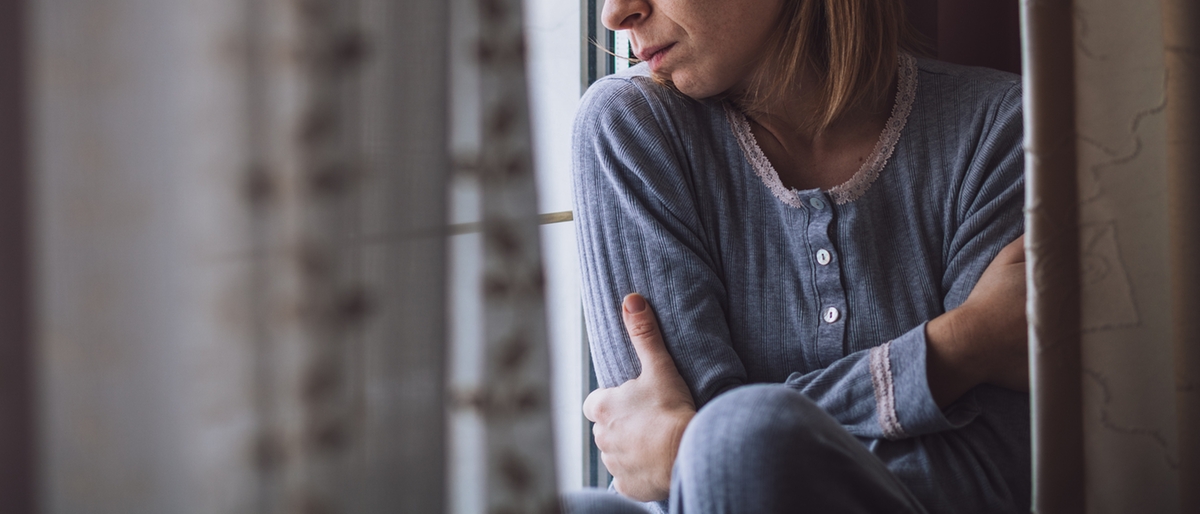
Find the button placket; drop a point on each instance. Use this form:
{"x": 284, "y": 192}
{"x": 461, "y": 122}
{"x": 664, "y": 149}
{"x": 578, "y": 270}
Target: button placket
{"x": 831, "y": 295}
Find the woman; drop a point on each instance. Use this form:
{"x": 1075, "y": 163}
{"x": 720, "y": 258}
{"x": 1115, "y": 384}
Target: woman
{"x": 809, "y": 208}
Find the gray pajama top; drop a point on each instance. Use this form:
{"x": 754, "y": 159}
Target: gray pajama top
{"x": 827, "y": 291}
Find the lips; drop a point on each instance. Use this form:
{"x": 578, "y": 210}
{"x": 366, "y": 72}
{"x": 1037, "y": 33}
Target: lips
{"x": 654, "y": 54}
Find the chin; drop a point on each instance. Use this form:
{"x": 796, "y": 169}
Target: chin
{"x": 695, "y": 89}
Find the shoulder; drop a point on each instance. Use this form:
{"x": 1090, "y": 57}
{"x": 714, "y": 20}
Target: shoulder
{"x": 970, "y": 87}
{"x": 633, "y": 101}
{"x": 959, "y": 75}
{"x": 643, "y": 138}
{"x": 632, "y": 86}
{"x": 969, "y": 120}
{"x": 976, "y": 106}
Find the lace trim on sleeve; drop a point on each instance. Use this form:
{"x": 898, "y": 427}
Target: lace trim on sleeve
{"x": 885, "y": 391}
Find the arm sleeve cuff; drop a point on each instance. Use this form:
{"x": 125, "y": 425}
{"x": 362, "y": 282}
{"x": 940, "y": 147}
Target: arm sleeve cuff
{"x": 903, "y": 402}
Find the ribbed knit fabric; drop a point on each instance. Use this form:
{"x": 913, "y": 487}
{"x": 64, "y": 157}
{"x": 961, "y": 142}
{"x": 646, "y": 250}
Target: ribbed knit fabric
{"x": 669, "y": 205}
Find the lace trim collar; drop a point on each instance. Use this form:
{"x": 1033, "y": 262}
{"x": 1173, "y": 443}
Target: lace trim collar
{"x": 857, "y": 185}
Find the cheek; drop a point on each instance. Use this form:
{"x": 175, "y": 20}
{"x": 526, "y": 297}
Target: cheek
{"x": 721, "y": 57}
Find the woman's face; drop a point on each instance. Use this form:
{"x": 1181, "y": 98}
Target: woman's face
{"x": 705, "y": 47}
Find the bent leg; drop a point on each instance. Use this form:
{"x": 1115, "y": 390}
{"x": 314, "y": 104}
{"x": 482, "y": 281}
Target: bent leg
{"x": 599, "y": 501}
{"x": 768, "y": 448}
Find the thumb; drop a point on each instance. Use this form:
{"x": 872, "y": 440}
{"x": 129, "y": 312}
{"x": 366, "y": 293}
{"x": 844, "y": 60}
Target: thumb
{"x": 647, "y": 338}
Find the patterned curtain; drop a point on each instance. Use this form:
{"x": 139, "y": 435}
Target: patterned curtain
{"x": 1111, "y": 117}
{"x": 239, "y": 244}
{"x": 515, "y": 398}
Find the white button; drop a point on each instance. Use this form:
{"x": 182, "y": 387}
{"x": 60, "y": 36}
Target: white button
{"x": 832, "y": 315}
{"x": 817, "y": 203}
{"x": 823, "y": 257}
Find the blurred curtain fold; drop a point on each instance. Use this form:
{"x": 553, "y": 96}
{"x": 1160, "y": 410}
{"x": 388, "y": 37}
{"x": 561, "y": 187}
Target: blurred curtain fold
{"x": 237, "y": 212}
{"x": 515, "y": 396}
{"x": 231, "y": 218}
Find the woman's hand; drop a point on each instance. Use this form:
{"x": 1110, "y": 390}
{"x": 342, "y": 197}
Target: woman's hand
{"x": 639, "y": 424}
{"x": 985, "y": 340}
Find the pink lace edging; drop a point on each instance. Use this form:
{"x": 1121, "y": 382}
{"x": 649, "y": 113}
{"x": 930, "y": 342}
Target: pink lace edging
{"x": 758, "y": 161}
{"x": 885, "y": 391}
{"x": 857, "y": 185}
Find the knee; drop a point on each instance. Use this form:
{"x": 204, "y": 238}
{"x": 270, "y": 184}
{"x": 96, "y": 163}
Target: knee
{"x": 771, "y": 449}
{"x": 755, "y": 419}
{"x": 597, "y": 501}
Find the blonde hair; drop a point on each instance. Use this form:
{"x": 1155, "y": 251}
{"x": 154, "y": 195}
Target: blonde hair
{"x": 850, "y": 46}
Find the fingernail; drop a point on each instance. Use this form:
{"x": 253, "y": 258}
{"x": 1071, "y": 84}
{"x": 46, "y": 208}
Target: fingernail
{"x": 634, "y": 303}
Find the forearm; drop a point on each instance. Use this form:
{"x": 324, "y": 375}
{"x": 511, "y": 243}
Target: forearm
{"x": 950, "y": 367}
{"x": 984, "y": 339}
{"x": 883, "y": 392}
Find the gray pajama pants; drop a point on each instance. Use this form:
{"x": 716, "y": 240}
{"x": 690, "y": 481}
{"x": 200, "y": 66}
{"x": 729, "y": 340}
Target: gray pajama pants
{"x": 766, "y": 449}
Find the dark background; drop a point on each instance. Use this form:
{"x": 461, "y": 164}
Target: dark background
{"x": 972, "y": 32}
{"x": 16, "y": 357}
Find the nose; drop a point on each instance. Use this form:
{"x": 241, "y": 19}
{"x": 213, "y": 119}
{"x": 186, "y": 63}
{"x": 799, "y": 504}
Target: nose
{"x": 624, "y": 14}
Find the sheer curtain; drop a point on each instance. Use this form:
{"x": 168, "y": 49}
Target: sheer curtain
{"x": 237, "y": 219}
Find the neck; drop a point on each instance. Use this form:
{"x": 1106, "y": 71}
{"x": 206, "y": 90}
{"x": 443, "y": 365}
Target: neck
{"x": 806, "y": 155}
{"x": 794, "y": 118}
